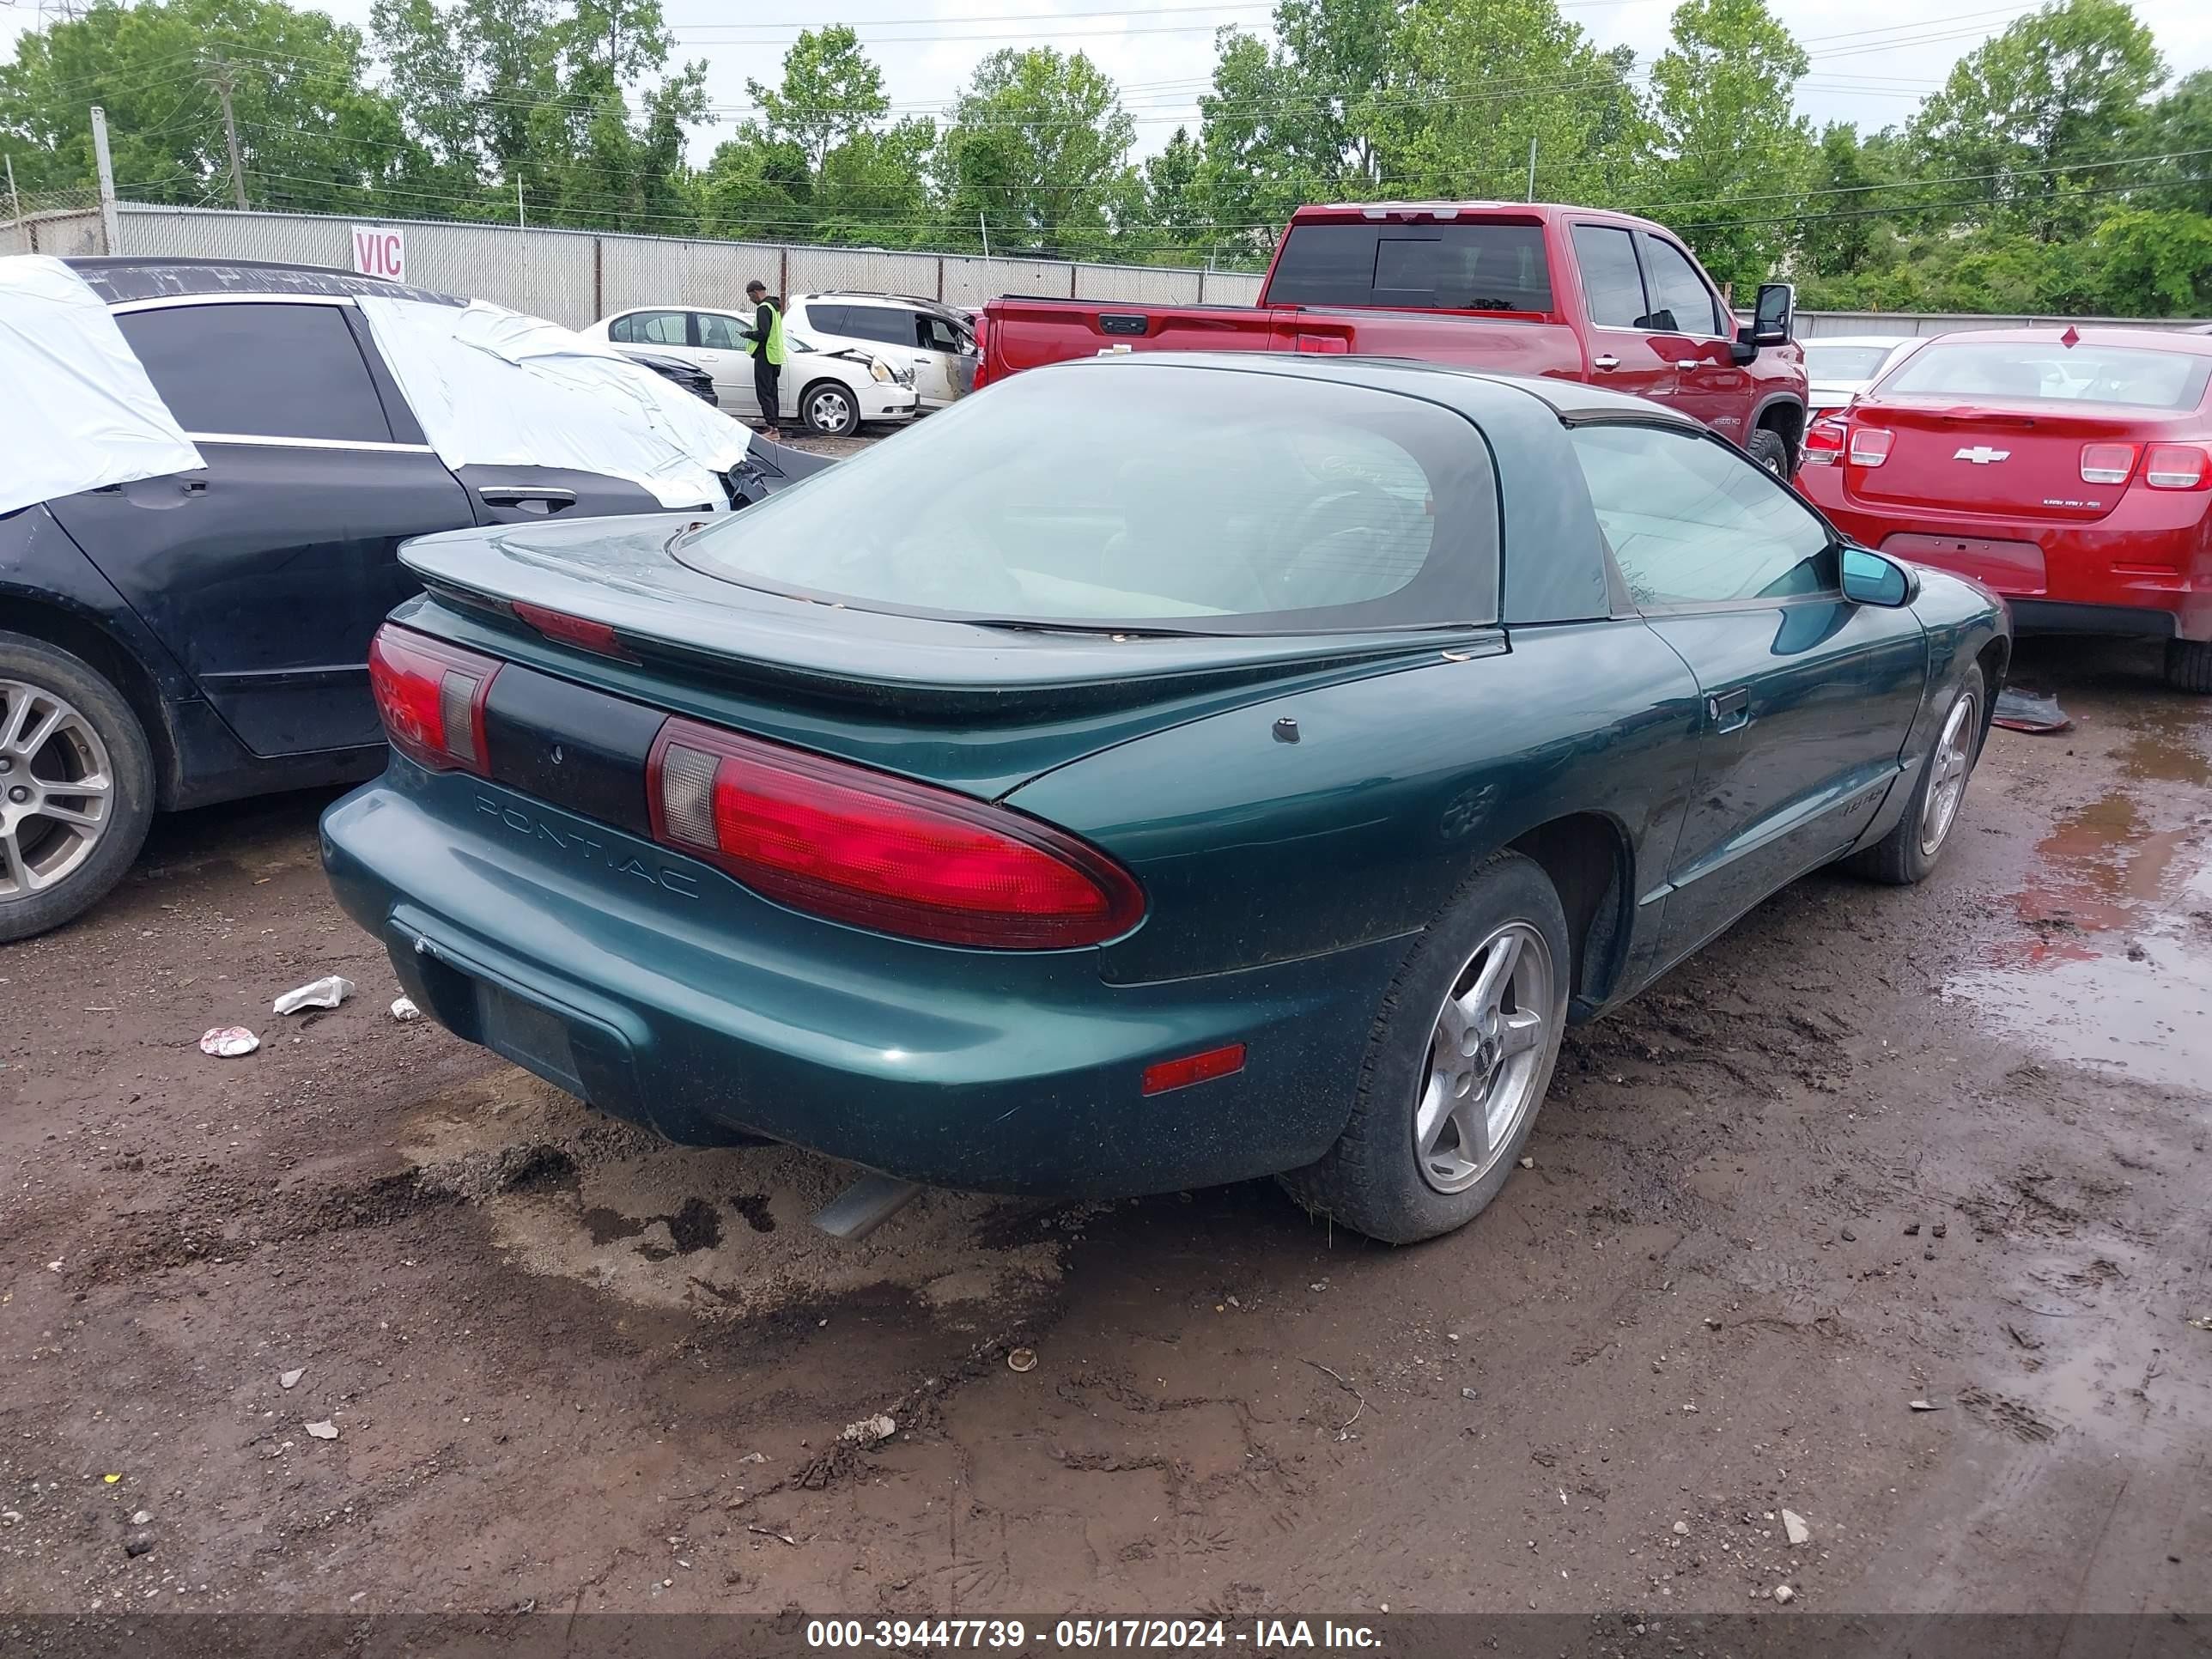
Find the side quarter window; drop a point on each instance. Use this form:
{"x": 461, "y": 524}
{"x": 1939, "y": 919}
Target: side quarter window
{"x": 261, "y": 370}
{"x": 1692, "y": 523}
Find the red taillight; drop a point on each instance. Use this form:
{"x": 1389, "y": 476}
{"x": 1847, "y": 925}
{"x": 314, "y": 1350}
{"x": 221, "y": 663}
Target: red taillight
{"x": 431, "y": 698}
{"x": 580, "y": 631}
{"x": 880, "y": 852}
{"x": 2107, "y": 463}
{"x": 1870, "y": 445}
{"x": 1824, "y": 441}
{"x": 1194, "y": 1068}
{"x": 2176, "y": 466}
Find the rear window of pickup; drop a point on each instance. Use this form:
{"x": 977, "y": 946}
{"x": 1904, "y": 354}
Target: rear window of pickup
{"x": 1483, "y": 266}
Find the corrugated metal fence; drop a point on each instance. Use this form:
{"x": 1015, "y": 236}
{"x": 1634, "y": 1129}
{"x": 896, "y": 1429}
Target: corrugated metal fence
{"x": 575, "y": 277}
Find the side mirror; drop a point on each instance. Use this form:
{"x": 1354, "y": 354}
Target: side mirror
{"x": 1773, "y": 315}
{"x": 1773, "y": 320}
{"x": 1870, "y": 578}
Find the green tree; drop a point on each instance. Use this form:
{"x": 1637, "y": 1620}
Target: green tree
{"x": 830, "y": 91}
{"x": 1475, "y": 82}
{"x": 2156, "y": 263}
{"x": 313, "y": 134}
{"x": 1038, "y": 149}
{"x": 1732, "y": 149}
{"x": 1174, "y": 207}
{"x": 539, "y": 95}
{"x": 2179, "y": 127}
{"x": 2031, "y": 114}
{"x": 1840, "y": 232}
{"x": 1259, "y": 158}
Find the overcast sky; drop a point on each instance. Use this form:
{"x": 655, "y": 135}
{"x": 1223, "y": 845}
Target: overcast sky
{"x": 1872, "y": 60}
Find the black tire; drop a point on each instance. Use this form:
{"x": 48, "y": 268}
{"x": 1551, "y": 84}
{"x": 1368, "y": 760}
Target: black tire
{"x": 1771, "y": 450}
{"x": 840, "y": 414}
{"x": 51, "y": 672}
{"x": 1903, "y": 856}
{"x": 2189, "y": 665}
{"x": 1371, "y": 1181}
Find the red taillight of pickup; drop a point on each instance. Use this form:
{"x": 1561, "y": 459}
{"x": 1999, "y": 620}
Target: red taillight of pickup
{"x": 431, "y": 698}
{"x": 880, "y": 852}
{"x": 982, "y": 332}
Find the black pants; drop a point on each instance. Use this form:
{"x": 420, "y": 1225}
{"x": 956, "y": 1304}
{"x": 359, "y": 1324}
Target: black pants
{"x": 765, "y": 376}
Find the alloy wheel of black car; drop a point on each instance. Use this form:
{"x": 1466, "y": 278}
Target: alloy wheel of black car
{"x": 1458, "y": 1065}
{"x": 828, "y": 410}
{"x": 77, "y": 787}
{"x": 1909, "y": 852}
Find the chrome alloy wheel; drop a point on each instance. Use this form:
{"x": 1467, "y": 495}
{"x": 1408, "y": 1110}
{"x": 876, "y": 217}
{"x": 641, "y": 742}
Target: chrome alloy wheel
{"x": 830, "y": 412}
{"x": 1486, "y": 1059}
{"x": 56, "y": 789}
{"x": 1947, "y": 786}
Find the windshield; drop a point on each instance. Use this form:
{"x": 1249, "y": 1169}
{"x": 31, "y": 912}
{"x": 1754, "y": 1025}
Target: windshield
{"x": 1129, "y": 495}
{"x": 2046, "y": 371}
{"x": 1844, "y": 362}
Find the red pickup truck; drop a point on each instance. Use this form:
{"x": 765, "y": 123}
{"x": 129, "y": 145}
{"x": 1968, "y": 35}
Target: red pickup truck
{"x": 1533, "y": 289}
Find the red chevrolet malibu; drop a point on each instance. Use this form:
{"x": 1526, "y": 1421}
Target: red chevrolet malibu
{"x": 2070, "y": 470}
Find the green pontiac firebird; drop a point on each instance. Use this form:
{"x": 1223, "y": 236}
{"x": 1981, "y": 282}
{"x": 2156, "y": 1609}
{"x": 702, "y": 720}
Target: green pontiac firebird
{"x": 1151, "y": 772}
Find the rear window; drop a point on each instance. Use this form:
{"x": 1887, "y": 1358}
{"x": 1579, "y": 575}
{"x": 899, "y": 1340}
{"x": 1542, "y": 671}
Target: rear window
{"x": 1486, "y": 266}
{"x": 1843, "y": 362}
{"x": 1134, "y": 494}
{"x": 2047, "y": 371}
{"x": 271, "y": 371}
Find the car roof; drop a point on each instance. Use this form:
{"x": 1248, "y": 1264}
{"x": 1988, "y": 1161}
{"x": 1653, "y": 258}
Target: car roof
{"x": 1859, "y": 340}
{"x": 119, "y": 279}
{"x": 2165, "y": 339}
{"x": 916, "y": 300}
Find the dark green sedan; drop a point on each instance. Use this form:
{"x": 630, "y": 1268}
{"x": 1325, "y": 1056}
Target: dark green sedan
{"x": 1151, "y": 772}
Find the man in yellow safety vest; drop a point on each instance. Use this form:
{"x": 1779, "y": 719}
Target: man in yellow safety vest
{"x": 765, "y": 343}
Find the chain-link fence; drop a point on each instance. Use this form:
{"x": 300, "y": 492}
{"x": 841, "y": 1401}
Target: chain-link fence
{"x": 62, "y": 222}
{"x": 575, "y": 277}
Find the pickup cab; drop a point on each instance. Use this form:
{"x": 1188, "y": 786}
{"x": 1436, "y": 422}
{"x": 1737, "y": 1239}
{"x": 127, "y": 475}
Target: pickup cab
{"x": 1574, "y": 293}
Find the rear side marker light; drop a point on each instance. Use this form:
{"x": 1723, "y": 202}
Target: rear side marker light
{"x": 578, "y": 631}
{"x": 1194, "y": 1068}
{"x": 431, "y": 698}
{"x": 1824, "y": 441}
{"x": 880, "y": 852}
{"x": 2176, "y": 466}
{"x": 1870, "y": 445}
{"x": 2107, "y": 463}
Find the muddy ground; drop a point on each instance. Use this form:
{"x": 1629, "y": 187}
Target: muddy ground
{"x": 1876, "y": 1146}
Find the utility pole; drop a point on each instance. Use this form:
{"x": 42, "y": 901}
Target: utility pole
{"x": 15, "y": 202}
{"x": 224, "y": 80}
{"x": 111, "y": 231}
{"x": 1531, "y": 167}
{"x": 983, "y": 225}
{"x": 521, "y": 220}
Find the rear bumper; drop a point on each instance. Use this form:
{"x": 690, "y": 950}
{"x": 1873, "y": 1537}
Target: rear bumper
{"x": 661, "y": 991}
{"x": 2151, "y": 554}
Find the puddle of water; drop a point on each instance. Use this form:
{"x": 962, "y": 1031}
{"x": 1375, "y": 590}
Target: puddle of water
{"x": 718, "y": 1231}
{"x": 2112, "y": 968}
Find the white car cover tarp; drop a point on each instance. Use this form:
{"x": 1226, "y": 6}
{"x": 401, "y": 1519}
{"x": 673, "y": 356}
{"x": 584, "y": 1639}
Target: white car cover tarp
{"x": 492, "y": 387}
{"x": 76, "y": 410}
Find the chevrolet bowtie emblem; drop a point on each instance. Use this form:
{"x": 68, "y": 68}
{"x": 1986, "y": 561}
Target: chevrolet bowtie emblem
{"x": 1981, "y": 454}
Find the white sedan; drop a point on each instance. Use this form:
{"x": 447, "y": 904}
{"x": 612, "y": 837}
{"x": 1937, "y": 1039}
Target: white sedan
{"x": 1840, "y": 367}
{"x": 831, "y": 391}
